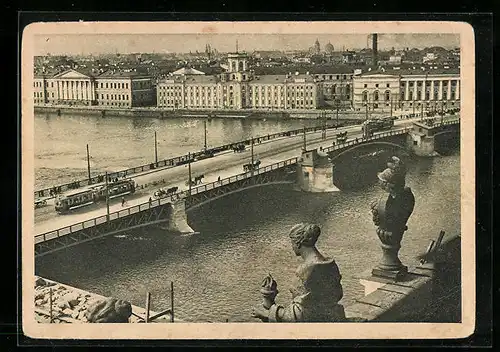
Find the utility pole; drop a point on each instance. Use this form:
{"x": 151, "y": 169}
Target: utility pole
{"x": 337, "y": 115}
{"x": 251, "y": 150}
{"x": 304, "y": 134}
{"x": 156, "y": 151}
{"x": 422, "y": 111}
{"x": 391, "y": 106}
{"x": 189, "y": 171}
{"x": 88, "y": 163}
{"x": 324, "y": 125}
{"x": 366, "y": 105}
{"x": 107, "y": 198}
{"x": 252, "y": 156}
{"x": 205, "y": 128}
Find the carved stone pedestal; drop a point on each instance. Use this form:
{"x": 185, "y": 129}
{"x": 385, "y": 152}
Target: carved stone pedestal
{"x": 390, "y": 266}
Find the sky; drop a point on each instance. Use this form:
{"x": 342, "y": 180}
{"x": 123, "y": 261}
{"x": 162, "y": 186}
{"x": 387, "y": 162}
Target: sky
{"x": 86, "y": 44}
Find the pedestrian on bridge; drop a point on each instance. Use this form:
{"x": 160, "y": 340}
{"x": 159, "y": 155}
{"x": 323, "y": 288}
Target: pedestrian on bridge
{"x": 150, "y": 201}
{"x": 218, "y": 179}
{"x": 123, "y": 201}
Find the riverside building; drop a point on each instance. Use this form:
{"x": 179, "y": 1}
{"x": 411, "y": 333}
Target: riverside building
{"x": 110, "y": 89}
{"x": 240, "y": 88}
{"x": 430, "y": 88}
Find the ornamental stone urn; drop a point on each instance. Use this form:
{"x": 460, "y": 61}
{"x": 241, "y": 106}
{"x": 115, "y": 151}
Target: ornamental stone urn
{"x": 390, "y": 214}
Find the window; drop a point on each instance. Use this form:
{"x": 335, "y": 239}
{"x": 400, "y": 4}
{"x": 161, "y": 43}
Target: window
{"x": 387, "y": 95}
{"x": 388, "y": 85}
{"x": 365, "y": 85}
{"x": 375, "y": 96}
{"x": 376, "y": 85}
{"x": 365, "y": 96}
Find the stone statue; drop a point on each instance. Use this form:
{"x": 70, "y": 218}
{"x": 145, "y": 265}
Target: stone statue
{"x": 390, "y": 214}
{"x": 317, "y": 288}
{"x": 109, "y": 310}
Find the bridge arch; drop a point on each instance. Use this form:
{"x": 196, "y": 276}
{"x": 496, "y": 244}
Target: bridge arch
{"x": 367, "y": 144}
{"x": 237, "y": 190}
{"x": 444, "y": 132}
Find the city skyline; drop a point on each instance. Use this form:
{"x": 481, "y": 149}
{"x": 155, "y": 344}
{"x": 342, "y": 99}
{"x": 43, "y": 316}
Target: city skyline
{"x": 98, "y": 44}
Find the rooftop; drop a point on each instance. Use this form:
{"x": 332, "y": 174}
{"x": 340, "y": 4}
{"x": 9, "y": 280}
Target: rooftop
{"x": 187, "y": 71}
{"x": 414, "y": 70}
{"x": 121, "y": 74}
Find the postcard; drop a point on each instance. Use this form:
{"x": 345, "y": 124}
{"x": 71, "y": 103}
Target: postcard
{"x": 248, "y": 180}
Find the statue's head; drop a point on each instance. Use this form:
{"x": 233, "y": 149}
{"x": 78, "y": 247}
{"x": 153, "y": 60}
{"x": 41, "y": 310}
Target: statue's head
{"x": 392, "y": 179}
{"x": 304, "y": 235}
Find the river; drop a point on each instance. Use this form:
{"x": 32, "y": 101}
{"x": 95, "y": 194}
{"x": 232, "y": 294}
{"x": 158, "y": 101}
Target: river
{"x": 117, "y": 143}
{"x": 243, "y": 237}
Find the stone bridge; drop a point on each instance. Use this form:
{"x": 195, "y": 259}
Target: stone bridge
{"x": 312, "y": 172}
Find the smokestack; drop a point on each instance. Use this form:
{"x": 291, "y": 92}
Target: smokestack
{"x": 374, "y": 48}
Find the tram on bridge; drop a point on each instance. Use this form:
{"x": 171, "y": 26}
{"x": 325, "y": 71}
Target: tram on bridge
{"x": 251, "y": 167}
{"x": 84, "y": 197}
{"x": 371, "y": 126}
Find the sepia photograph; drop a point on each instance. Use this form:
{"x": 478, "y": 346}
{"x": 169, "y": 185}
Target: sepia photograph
{"x": 212, "y": 178}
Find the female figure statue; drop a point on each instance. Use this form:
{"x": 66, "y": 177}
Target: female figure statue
{"x": 317, "y": 289}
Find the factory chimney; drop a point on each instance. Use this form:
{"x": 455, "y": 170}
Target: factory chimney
{"x": 374, "y": 48}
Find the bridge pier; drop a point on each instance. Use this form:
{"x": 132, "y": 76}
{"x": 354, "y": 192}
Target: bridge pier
{"x": 315, "y": 172}
{"x": 178, "y": 219}
{"x": 421, "y": 138}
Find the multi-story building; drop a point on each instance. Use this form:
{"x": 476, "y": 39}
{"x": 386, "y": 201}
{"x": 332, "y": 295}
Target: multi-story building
{"x": 429, "y": 88}
{"x": 239, "y": 88}
{"x": 110, "y": 89}
{"x": 39, "y": 89}
{"x": 337, "y": 86}
{"x": 124, "y": 89}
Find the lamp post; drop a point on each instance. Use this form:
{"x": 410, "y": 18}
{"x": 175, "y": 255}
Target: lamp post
{"x": 88, "y": 163}
{"x": 107, "y": 198}
{"x": 189, "y": 172}
{"x": 391, "y": 106}
{"x": 337, "y": 117}
{"x": 156, "y": 151}
{"x": 205, "y": 128}
{"x": 304, "y": 140}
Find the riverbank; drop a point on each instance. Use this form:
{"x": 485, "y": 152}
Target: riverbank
{"x": 69, "y": 304}
{"x": 154, "y": 112}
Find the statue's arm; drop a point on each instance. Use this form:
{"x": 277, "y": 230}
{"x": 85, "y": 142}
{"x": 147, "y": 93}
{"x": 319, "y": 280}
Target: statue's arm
{"x": 291, "y": 313}
{"x": 339, "y": 292}
{"x": 375, "y": 214}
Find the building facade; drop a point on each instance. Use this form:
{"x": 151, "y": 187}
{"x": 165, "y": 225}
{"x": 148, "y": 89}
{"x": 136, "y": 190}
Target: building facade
{"x": 430, "y": 89}
{"x": 239, "y": 88}
{"x": 124, "y": 89}
{"x": 337, "y": 87}
{"x": 110, "y": 89}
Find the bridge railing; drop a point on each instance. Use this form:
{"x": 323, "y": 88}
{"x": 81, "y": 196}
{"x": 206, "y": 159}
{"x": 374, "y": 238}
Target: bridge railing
{"x": 157, "y": 202}
{"x": 358, "y": 140}
{"x": 242, "y": 176}
{"x": 171, "y": 162}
